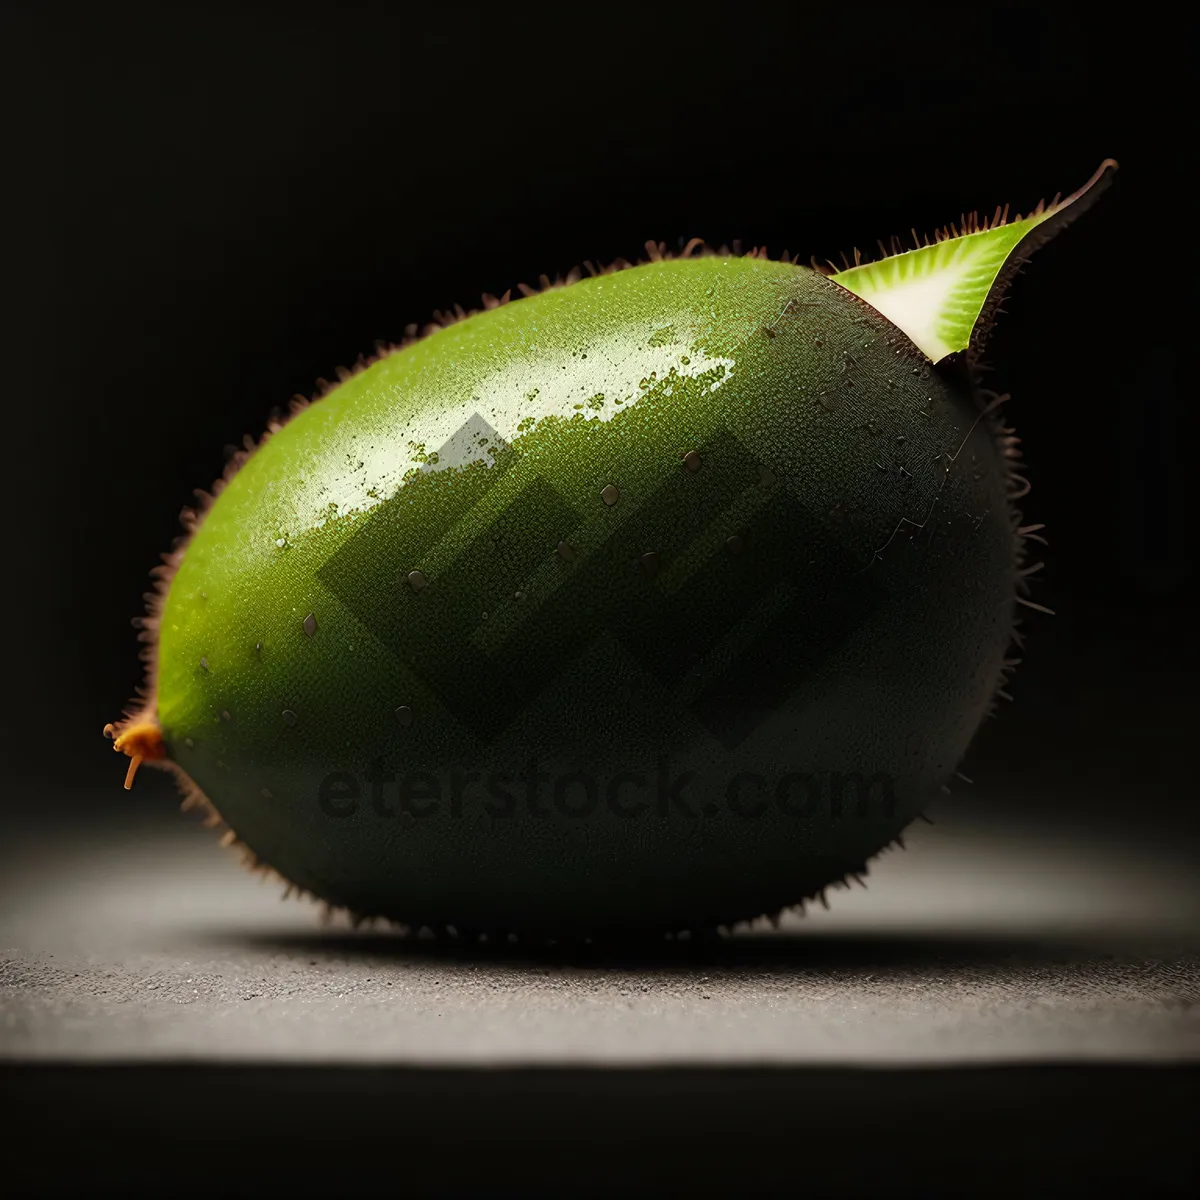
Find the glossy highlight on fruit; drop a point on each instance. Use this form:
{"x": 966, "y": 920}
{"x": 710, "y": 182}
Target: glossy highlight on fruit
{"x": 656, "y": 601}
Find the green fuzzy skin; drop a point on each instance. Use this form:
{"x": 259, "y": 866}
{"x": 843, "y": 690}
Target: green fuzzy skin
{"x": 857, "y": 629}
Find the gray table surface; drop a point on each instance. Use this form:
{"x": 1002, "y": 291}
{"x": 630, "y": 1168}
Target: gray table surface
{"x": 980, "y": 943}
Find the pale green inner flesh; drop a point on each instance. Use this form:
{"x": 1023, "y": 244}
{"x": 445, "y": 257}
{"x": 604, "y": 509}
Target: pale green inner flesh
{"x": 935, "y": 294}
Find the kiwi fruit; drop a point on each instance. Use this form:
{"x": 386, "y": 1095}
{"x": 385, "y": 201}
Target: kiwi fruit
{"x": 661, "y": 598}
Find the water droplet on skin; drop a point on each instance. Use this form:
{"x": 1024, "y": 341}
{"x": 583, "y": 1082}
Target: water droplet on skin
{"x": 225, "y": 715}
{"x": 485, "y": 616}
{"x": 258, "y": 647}
{"x": 204, "y": 664}
{"x": 404, "y": 715}
{"x": 518, "y": 596}
{"x": 610, "y": 494}
{"x": 650, "y": 563}
{"x": 565, "y": 551}
{"x": 289, "y": 717}
{"x": 268, "y": 794}
{"x": 417, "y": 580}
{"x": 691, "y": 460}
{"x": 735, "y": 544}
{"x": 189, "y": 743}
{"x": 310, "y": 625}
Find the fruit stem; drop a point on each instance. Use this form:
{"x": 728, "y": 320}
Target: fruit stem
{"x": 141, "y": 739}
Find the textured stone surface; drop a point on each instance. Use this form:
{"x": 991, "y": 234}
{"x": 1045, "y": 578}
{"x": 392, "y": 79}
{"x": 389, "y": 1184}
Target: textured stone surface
{"x": 146, "y": 942}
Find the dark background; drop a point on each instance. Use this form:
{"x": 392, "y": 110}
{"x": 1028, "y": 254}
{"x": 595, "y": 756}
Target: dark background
{"x": 204, "y": 211}
{"x": 209, "y": 210}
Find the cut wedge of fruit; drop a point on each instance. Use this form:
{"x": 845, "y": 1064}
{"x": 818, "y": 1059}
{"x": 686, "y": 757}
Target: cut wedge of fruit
{"x": 944, "y": 294}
